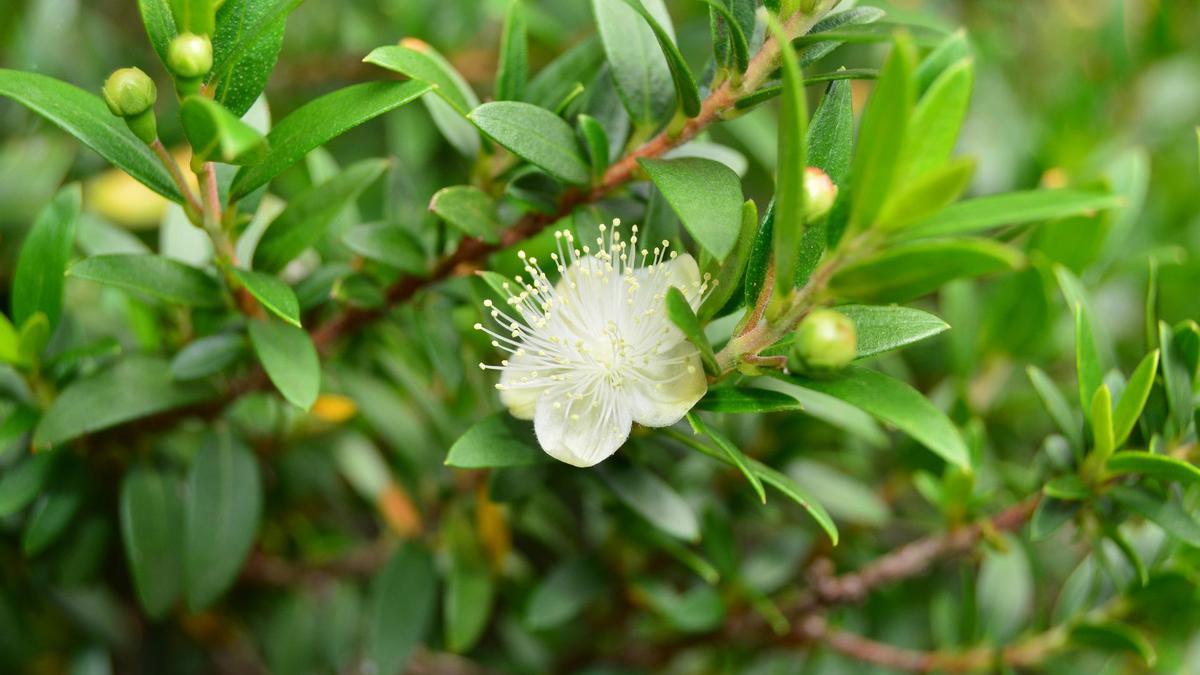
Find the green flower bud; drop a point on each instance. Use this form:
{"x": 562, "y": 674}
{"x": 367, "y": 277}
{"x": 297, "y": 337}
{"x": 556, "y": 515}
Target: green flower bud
{"x": 130, "y": 93}
{"x": 819, "y": 194}
{"x": 189, "y": 57}
{"x": 825, "y": 342}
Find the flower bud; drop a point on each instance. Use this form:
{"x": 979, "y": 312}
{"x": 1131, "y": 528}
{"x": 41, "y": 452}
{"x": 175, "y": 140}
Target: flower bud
{"x": 130, "y": 93}
{"x": 819, "y": 194}
{"x": 825, "y": 342}
{"x": 189, "y": 57}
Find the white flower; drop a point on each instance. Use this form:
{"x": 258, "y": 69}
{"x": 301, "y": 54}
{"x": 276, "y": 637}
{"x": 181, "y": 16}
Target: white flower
{"x": 594, "y": 353}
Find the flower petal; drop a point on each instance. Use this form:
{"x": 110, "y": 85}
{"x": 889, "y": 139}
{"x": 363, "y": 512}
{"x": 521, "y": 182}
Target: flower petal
{"x": 518, "y": 395}
{"x": 668, "y": 387}
{"x": 581, "y": 432}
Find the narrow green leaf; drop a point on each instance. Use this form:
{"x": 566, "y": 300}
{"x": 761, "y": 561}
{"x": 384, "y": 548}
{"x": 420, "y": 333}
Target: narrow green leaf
{"x": 725, "y": 24}
{"x": 138, "y": 386}
{"x": 1087, "y": 361}
{"x": 1155, "y": 466}
{"x": 402, "y": 606}
{"x": 1004, "y": 590}
{"x": 898, "y": 404}
{"x": 217, "y": 135}
{"x": 926, "y": 194}
{"x": 564, "y": 593}
{"x": 208, "y": 356}
{"x": 639, "y": 69}
{"x": 1133, "y": 398}
{"x": 948, "y": 52}
{"x": 1166, "y": 513}
{"x": 906, "y": 271}
{"x": 831, "y": 135}
{"x": 319, "y": 121}
{"x": 468, "y": 604}
{"x": 290, "y": 359}
{"x": 1176, "y": 379}
{"x": 651, "y": 498}
{"x": 221, "y": 515}
{"x": 160, "y": 25}
{"x": 307, "y": 217}
{"x": 881, "y": 136}
{"x": 151, "y": 511}
{"x": 1013, "y": 208}
{"x": 734, "y": 453}
{"x": 790, "y": 167}
{"x": 22, "y": 482}
{"x": 513, "y": 70}
{"x": 154, "y": 276}
{"x": 38, "y": 278}
{"x": 881, "y": 329}
{"x": 1069, "y": 487}
{"x": 498, "y": 440}
{"x": 1056, "y": 404}
{"x": 595, "y": 140}
{"x": 52, "y": 513}
{"x": 470, "y": 210}
{"x": 686, "y": 91}
{"x": 820, "y": 45}
{"x": 797, "y": 494}
{"x": 937, "y": 120}
{"x": 707, "y": 197}
{"x": 246, "y": 44}
{"x": 746, "y": 400}
{"x": 577, "y": 64}
{"x": 389, "y": 244}
{"x": 536, "y": 135}
{"x": 34, "y": 336}
{"x": 1113, "y": 637}
{"x": 275, "y": 295}
{"x": 681, "y": 314}
{"x": 770, "y": 91}
{"x": 856, "y": 33}
{"x": 1102, "y": 426}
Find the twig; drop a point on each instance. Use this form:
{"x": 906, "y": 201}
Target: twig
{"x": 172, "y": 167}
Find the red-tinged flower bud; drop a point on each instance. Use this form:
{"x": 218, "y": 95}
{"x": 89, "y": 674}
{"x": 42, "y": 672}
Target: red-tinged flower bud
{"x": 819, "y": 194}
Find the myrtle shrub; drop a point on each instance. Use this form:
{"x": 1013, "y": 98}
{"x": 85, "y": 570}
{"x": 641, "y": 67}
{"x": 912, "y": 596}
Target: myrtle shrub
{"x": 606, "y": 336}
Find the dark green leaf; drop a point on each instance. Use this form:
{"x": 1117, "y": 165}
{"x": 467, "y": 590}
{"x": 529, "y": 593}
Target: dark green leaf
{"x": 731, "y": 451}
{"x": 792, "y": 153}
{"x": 290, "y": 359}
{"x": 23, "y": 481}
{"x": 595, "y": 140}
{"x": 160, "y": 25}
{"x": 513, "y": 70}
{"x": 770, "y": 91}
{"x": 1050, "y": 515}
{"x": 831, "y": 136}
{"x": 1166, "y": 513}
{"x": 882, "y": 329}
{"x": 845, "y": 497}
{"x": 246, "y": 43}
{"x": 1177, "y": 379}
{"x": 470, "y": 210}
{"x": 135, "y": 387}
{"x": 52, "y": 513}
{"x": 221, "y": 516}
{"x": 563, "y": 594}
{"x": 729, "y": 31}
{"x": 468, "y": 603}
{"x": 898, "y": 404}
{"x": 680, "y": 313}
{"x": 686, "y": 91}
{"x": 402, "y": 607}
{"x": 207, "y": 356}
{"x": 87, "y": 118}
{"x": 218, "y": 135}
{"x": 578, "y": 64}
{"x": 1156, "y": 466}
{"x": 151, "y": 525}
{"x": 389, "y": 244}
{"x": 820, "y": 46}
{"x": 1069, "y": 487}
{"x": 1013, "y": 208}
{"x": 640, "y": 71}
{"x": 275, "y": 295}
{"x": 707, "y": 197}
{"x": 38, "y": 278}
{"x": 1113, "y": 637}
{"x": 697, "y": 610}
{"x": 318, "y": 121}
{"x": 727, "y": 280}
{"x": 1056, "y": 404}
{"x": 307, "y": 216}
{"x": 536, "y": 135}
{"x": 908, "y": 271}
{"x": 155, "y": 276}
{"x": 746, "y": 400}
{"x": 497, "y": 440}
{"x": 651, "y": 498}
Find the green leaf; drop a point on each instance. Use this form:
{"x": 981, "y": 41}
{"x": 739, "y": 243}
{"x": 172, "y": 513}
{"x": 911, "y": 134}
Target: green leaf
{"x": 595, "y": 141}
{"x": 680, "y": 313}
{"x": 1156, "y": 466}
{"x": 86, "y": 117}
{"x": 707, "y": 197}
{"x": 38, "y": 278}
{"x": 22, "y": 482}
{"x": 1069, "y": 487}
{"x": 1177, "y": 380}
{"x": 136, "y": 387}
{"x": 35, "y": 335}
{"x": 772, "y": 90}
{"x": 728, "y": 278}
{"x": 1013, "y": 208}
{"x": 470, "y": 210}
{"x": 906, "y": 271}
{"x": 1004, "y": 590}
{"x": 389, "y": 244}
{"x": 319, "y": 121}
{"x": 928, "y": 193}
{"x": 881, "y": 136}
{"x": 746, "y": 400}
{"x": 898, "y": 404}
{"x": 563, "y": 594}
{"x": 1087, "y": 361}
{"x": 846, "y": 498}
{"x": 831, "y": 135}
{"x": 1102, "y": 426}
{"x": 221, "y": 515}
{"x": 193, "y": 16}
{"x": 881, "y": 31}
{"x": 470, "y": 591}
{"x": 10, "y": 342}
{"x": 218, "y": 135}
{"x": 651, "y": 498}
{"x": 160, "y": 25}
{"x": 1113, "y": 637}
{"x": 883, "y": 329}
{"x": 207, "y": 356}
{"x": 639, "y": 69}
{"x": 686, "y": 91}
{"x": 576, "y": 65}
{"x": 246, "y": 43}
{"x": 513, "y": 69}
{"x": 937, "y": 120}
{"x": 496, "y": 441}
{"x": 151, "y": 509}
{"x": 154, "y": 276}
{"x": 290, "y": 359}
{"x": 1133, "y": 398}
{"x": 790, "y": 167}
{"x": 51, "y": 514}
{"x": 1050, "y": 515}
{"x": 697, "y": 610}
{"x": 1166, "y": 513}
{"x": 729, "y": 33}
{"x": 820, "y": 45}
{"x": 731, "y": 451}
{"x": 304, "y": 222}
{"x": 948, "y": 52}
{"x": 272, "y": 293}
{"x": 403, "y": 598}
{"x": 1056, "y": 404}
{"x": 536, "y": 135}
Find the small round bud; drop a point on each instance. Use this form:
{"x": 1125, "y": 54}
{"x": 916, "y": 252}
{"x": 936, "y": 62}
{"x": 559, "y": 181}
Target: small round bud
{"x": 819, "y": 194}
{"x": 129, "y": 92}
{"x": 825, "y": 342}
{"x": 190, "y": 56}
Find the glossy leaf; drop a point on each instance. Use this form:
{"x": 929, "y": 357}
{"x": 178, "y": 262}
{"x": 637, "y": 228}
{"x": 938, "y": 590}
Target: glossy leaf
{"x": 1013, "y": 208}
{"x": 287, "y": 353}
{"x": 735, "y": 455}
{"x": 882, "y": 329}
{"x": 937, "y": 120}
{"x": 513, "y": 70}
{"x": 389, "y": 244}
{"x": 498, "y": 440}
{"x": 820, "y": 43}
{"x": 154, "y": 276}
{"x": 651, "y": 498}
{"x": 707, "y": 197}
{"x": 908, "y": 271}
{"x": 746, "y": 400}
{"x": 470, "y": 210}
{"x": 686, "y": 91}
{"x": 792, "y": 153}
{"x": 729, "y": 28}
{"x": 639, "y": 69}
{"x": 160, "y": 25}
{"x": 221, "y": 516}
{"x": 319, "y": 121}
{"x": 38, "y": 278}
{"x": 218, "y": 135}
{"x": 831, "y": 135}
{"x": 1133, "y": 398}
{"x": 1162, "y": 467}
{"x": 207, "y": 356}
{"x": 680, "y": 313}
{"x": 193, "y": 16}
{"x": 1101, "y": 421}
{"x": 246, "y": 43}
{"x": 86, "y": 117}
{"x": 1113, "y": 637}
{"x": 151, "y": 510}
{"x": 595, "y": 140}
{"x": 536, "y": 135}
{"x": 275, "y": 295}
